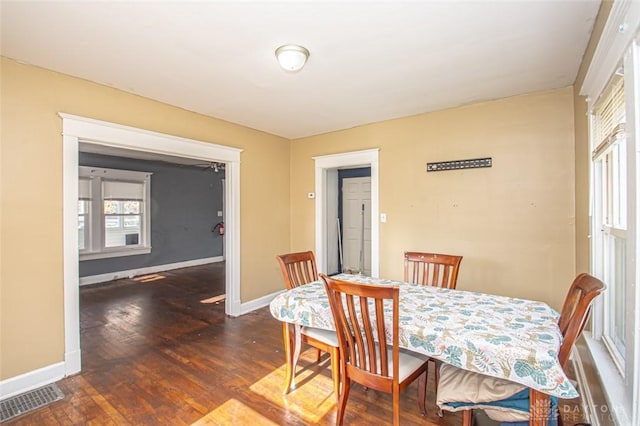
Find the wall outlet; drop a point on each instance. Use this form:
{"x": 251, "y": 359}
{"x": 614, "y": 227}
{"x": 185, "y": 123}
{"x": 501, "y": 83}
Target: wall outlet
{"x": 219, "y": 213}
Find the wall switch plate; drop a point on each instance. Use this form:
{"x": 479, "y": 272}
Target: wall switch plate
{"x": 383, "y": 217}
{"x": 311, "y": 195}
{"x": 219, "y": 213}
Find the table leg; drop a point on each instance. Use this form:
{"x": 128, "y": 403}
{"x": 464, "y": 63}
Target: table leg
{"x": 291, "y": 334}
{"x": 288, "y": 353}
{"x": 297, "y": 343}
{"x": 539, "y": 408}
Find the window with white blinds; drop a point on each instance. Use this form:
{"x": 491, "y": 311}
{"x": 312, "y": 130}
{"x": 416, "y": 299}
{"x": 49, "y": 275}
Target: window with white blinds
{"x": 610, "y": 211}
{"x": 609, "y": 116}
{"x": 113, "y": 212}
{"x": 116, "y": 190}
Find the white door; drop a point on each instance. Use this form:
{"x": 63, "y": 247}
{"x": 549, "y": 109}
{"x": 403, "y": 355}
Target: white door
{"x": 356, "y": 227}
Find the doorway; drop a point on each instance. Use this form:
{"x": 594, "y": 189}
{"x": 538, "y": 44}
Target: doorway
{"x": 354, "y": 215}
{"x": 77, "y": 129}
{"x": 326, "y": 207}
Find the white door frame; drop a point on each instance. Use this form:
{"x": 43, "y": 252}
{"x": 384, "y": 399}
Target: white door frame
{"x": 77, "y": 129}
{"x": 365, "y": 158}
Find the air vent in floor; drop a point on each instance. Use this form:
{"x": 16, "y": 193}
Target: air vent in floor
{"x": 29, "y": 401}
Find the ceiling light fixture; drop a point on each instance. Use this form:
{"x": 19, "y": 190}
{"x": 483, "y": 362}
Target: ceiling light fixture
{"x": 292, "y": 57}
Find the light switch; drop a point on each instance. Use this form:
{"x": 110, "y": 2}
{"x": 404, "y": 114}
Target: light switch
{"x": 383, "y": 217}
{"x": 219, "y": 213}
{"x": 311, "y": 195}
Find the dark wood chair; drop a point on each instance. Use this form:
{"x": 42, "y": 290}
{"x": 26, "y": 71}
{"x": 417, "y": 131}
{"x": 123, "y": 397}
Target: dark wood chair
{"x": 299, "y": 269}
{"x": 434, "y": 269}
{"x": 359, "y": 313}
{"x": 573, "y": 317}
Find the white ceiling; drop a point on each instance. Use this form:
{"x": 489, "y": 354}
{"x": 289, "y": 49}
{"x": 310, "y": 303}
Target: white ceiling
{"x": 370, "y": 61}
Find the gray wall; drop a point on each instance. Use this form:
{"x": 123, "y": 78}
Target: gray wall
{"x": 184, "y": 205}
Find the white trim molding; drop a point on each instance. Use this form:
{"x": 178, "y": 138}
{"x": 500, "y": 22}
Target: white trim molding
{"x": 621, "y": 28}
{"x": 586, "y": 398}
{"x": 110, "y": 276}
{"x": 31, "y": 380}
{"x": 77, "y": 129}
{"x": 618, "y": 47}
{"x": 258, "y": 303}
{"x": 365, "y": 158}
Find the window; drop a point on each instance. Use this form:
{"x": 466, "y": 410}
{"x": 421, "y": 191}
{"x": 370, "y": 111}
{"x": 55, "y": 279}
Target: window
{"x": 113, "y": 213}
{"x": 610, "y": 177}
{"x": 612, "y": 90}
{"x": 84, "y": 202}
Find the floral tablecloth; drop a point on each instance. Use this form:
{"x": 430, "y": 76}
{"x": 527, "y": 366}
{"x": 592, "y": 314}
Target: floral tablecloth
{"x": 514, "y": 339}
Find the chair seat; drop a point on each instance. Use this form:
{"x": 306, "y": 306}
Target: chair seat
{"x": 328, "y": 337}
{"x": 502, "y": 400}
{"x": 409, "y": 362}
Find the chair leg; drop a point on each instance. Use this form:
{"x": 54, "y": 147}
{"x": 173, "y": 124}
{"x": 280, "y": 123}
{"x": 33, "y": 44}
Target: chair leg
{"x": 288, "y": 353}
{"x": 396, "y": 405}
{"x": 436, "y": 364}
{"x": 344, "y": 395}
{"x": 467, "y": 418}
{"x": 427, "y": 372}
{"x": 422, "y": 391}
{"x": 335, "y": 371}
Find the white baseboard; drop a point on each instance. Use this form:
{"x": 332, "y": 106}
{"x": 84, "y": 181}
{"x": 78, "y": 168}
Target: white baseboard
{"x": 613, "y": 384}
{"x": 583, "y": 388}
{"x": 72, "y": 362}
{"x": 94, "y": 279}
{"x": 254, "y": 304}
{"x": 31, "y": 380}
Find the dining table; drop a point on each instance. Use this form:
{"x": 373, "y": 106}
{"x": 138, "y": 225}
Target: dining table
{"x": 504, "y": 337}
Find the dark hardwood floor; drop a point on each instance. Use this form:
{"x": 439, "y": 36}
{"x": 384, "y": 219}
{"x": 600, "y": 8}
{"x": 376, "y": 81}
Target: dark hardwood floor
{"x": 153, "y": 354}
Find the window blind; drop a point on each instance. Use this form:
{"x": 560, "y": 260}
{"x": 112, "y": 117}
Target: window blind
{"x": 118, "y": 190}
{"x": 609, "y": 116}
{"x": 84, "y": 189}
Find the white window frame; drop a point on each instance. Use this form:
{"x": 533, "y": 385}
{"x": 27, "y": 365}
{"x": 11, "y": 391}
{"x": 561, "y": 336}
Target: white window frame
{"x": 606, "y": 231}
{"x": 95, "y": 246}
{"x": 618, "y": 44}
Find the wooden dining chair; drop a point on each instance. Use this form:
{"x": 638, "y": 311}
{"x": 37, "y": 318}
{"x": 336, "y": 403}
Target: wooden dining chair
{"x": 434, "y": 269}
{"x": 573, "y": 317}
{"x": 299, "y": 269}
{"x": 359, "y": 313}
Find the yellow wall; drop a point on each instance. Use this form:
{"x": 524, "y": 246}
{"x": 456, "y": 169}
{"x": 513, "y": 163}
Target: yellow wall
{"x": 31, "y": 258}
{"x": 513, "y": 223}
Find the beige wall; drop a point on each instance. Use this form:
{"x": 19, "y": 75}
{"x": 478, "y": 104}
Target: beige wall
{"x": 31, "y": 258}
{"x": 513, "y": 223}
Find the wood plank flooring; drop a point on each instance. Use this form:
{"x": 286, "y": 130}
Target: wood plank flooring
{"x": 153, "y": 354}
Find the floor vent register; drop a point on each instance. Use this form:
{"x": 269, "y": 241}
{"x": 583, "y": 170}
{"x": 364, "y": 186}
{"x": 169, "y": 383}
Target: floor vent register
{"x": 29, "y": 401}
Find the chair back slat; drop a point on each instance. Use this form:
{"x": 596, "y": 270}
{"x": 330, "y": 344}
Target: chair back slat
{"x": 433, "y": 269}
{"x": 575, "y": 312}
{"x": 359, "y": 316}
{"x": 298, "y": 268}
{"x": 381, "y": 331}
